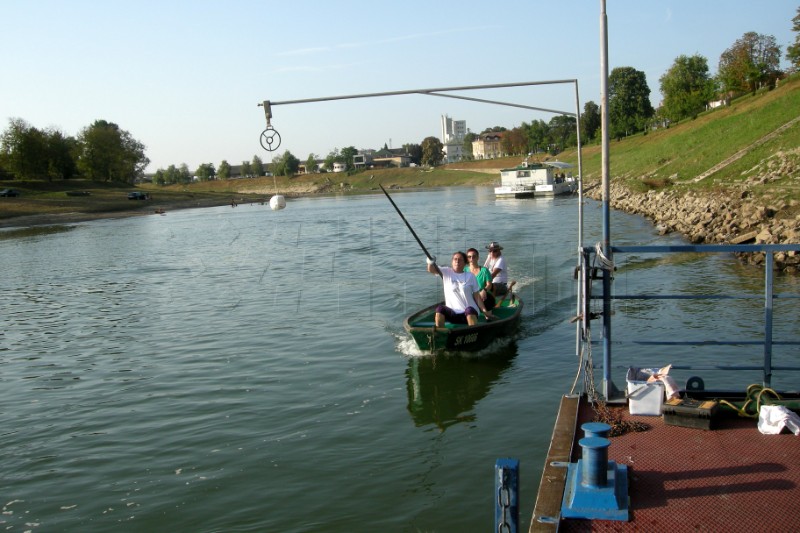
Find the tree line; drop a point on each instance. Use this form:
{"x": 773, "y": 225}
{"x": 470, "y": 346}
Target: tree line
{"x": 207, "y": 171}
{"x": 105, "y": 152}
{"x": 101, "y": 152}
{"x": 751, "y": 64}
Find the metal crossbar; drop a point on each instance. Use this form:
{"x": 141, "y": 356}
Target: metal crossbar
{"x": 586, "y": 261}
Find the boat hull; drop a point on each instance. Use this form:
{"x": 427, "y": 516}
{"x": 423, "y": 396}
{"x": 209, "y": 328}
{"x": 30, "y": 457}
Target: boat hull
{"x": 514, "y": 192}
{"x": 462, "y": 337}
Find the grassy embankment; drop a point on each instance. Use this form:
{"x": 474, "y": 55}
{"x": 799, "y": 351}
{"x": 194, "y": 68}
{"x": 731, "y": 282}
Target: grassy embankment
{"x": 672, "y": 158}
{"x": 669, "y": 158}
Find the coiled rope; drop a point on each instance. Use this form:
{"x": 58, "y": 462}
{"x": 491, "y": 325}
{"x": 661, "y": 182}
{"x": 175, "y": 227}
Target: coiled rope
{"x": 755, "y": 396}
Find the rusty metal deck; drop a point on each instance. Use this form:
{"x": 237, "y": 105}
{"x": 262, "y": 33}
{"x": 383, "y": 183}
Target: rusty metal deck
{"x": 731, "y": 478}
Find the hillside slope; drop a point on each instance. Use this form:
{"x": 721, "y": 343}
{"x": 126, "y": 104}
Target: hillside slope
{"x": 732, "y": 175}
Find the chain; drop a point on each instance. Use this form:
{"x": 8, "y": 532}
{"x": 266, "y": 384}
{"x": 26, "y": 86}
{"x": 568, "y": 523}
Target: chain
{"x": 504, "y": 501}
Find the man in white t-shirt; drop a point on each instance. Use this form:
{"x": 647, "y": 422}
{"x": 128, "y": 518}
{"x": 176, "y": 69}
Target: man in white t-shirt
{"x": 496, "y": 264}
{"x": 461, "y": 293}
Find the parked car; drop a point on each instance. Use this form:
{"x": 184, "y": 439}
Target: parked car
{"x": 138, "y": 195}
{"x": 9, "y": 192}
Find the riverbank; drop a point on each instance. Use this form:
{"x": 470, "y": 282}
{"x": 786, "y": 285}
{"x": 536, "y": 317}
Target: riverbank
{"x": 735, "y": 214}
{"x": 715, "y": 217}
{"x": 52, "y": 209}
{"x": 142, "y": 208}
{"x": 65, "y": 202}
{"x": 720, "y": 217}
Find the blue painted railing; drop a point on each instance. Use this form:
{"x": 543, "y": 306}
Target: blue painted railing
{"x": 589, "y": 273}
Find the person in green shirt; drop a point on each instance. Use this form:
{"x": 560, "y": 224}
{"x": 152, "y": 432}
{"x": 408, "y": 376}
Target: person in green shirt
{"x": 483, "y": 276}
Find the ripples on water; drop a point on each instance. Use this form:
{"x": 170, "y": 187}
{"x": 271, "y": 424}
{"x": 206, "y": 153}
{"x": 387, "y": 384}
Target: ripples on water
{"x": 247, "y": 370}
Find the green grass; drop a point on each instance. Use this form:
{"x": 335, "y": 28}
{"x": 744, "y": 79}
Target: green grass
{"x": 674, "y": 156}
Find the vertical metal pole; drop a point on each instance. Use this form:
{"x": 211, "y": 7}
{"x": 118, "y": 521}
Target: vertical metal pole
{"x": 578, "y": 324}
{"x": 506, "y": 489}
{"x": 768, "y": 289}
{"x": 607, "y": 386}
{"x": 586, "y": 281}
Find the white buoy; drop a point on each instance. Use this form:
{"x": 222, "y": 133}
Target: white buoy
{"x": 277, "y": 202}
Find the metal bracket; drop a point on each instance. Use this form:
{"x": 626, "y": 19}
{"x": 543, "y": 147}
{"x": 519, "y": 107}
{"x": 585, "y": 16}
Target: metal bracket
{"x": 270, "y": 138}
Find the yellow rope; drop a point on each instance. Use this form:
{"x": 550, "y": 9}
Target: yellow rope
{"x": 754, "y": 396}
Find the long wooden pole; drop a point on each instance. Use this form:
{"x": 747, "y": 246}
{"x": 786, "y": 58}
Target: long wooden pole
{"x": 407, "y": 224}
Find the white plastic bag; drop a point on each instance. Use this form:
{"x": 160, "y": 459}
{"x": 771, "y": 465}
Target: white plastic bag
{"x": 670, "y": 386}
{"x": 773, "y": 418}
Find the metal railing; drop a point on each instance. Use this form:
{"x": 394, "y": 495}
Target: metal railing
{"x": 589, "y": 273}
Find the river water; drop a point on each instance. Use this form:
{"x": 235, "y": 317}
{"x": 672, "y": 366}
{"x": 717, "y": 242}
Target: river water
{"x": 242, "y": 369}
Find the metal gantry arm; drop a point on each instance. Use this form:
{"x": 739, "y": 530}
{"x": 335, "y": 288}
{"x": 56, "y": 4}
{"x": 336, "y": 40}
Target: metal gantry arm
{"x": 433, "y": 92}
{"x": 270, "y": 132}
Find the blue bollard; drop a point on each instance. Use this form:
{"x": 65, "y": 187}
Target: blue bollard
{"x": 595, "y": 461}
{"x": 596, "y": 487}
{"x": 596, "y": 429}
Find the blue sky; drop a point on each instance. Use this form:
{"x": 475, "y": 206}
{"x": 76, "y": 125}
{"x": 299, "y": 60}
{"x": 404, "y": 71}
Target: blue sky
{"x": 185, "y": 77}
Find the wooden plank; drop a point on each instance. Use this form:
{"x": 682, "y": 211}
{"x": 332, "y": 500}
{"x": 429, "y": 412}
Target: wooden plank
{"x": 547, "y": 511}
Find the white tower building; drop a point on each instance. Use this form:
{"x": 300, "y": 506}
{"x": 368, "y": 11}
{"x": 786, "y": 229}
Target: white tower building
{"x": 453, "y": 133}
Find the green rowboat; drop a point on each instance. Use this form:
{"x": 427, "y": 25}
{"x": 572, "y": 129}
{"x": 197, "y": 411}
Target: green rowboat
{"x": 462, "y": 337}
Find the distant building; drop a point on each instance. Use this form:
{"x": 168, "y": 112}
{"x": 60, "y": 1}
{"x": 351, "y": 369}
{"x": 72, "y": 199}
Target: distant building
{"x": 488, "y": 146}
{"x": 365, "y": 158}
{"x": 453, "y": 134}
{"x": 391, "y": 157}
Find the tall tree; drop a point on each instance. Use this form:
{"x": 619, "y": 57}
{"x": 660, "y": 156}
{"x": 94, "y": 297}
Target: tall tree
{"x": 467, "y": 146}
{"x": 311, "y": 164}
{"x": 258, "y": 166}
{"x": 172, "y": 175}
{"x": 514, "y": 141}
{"x": 793, "y": 50}
{"x": 224, "y": 170}
{"x": 184, "y": 176}
{"x": 60, "y": 155}
{"x": 687, "y": 87}
{"x": 347, "y": 154}
{"x": 247, "y": 170}
{"x": 286, "y": 164}
{"x": 562, "y": 132}
{"x": 751, "y": 63}
{"x": 629, "y": 106}
{"x": 590, "y": 121}
{"x": 108, "y": 153}
{"x": 333, "y": 157}
{"x": 206, "y": 171}
{"x": 415, "y": 152}
{"x": 432, "y": 151}
{"x": 24, "y": 150}
{"x": 30, "y": 153}
{"x": 536, "y": 133}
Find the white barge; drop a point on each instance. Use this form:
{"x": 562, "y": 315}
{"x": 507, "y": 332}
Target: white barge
{"x": 530, "y": 180}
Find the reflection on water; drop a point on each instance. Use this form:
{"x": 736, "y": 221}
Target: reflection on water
{"x": 36, "y": 231}
{"x": 443, "y": 389}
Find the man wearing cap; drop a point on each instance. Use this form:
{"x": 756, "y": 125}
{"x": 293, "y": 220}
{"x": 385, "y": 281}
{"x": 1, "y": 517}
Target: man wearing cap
{"x": 462, "y": 297}
{"x": 496, "y": 264}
